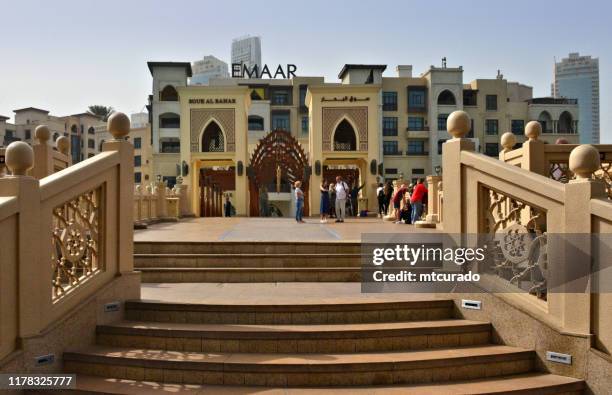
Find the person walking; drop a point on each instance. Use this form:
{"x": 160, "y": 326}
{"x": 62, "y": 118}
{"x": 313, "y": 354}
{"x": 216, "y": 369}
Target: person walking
{"x": 227, "y": 206}
{"x": 341, "y": 195}
{"x": 420, "y": 190}
{"x": 324, "y": 201}
{"x": 388, "y": 196}
{"x": 354, "y": 203}
{"x": 380, "y": 195}
{"x": 299, "y": 202}
{"x": 332, "y": 200}
{"x": 397, "y": 202}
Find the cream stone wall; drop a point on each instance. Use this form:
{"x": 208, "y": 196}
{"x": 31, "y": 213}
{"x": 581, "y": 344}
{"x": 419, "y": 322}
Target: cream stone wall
{"x": 233, "y": 120}
{"x": 321, "y": 98}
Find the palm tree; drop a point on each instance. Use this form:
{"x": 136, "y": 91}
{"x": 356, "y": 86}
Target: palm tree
{"x": 101, "y": 111}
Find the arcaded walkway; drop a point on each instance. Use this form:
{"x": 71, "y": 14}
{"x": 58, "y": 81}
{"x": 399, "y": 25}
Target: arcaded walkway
{"x": 268, "y": 229}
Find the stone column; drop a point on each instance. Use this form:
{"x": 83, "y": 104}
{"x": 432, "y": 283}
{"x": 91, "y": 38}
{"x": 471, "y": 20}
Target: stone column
{"x": 160, "y": 195}
{"x": 534, "y": 157}
{"x": 458, "y": 125}
{"x": 33, "y": 268}
{"x": 119, "y": 127}
{"x": 43, "y": 153}
{"x": 433, "y": 212}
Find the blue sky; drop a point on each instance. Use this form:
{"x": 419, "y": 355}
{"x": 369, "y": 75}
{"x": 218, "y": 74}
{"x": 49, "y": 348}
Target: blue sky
{"x": 65, "y": 55}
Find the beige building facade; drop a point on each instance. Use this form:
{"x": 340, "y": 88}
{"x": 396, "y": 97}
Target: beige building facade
{"x": 388, "y": 128}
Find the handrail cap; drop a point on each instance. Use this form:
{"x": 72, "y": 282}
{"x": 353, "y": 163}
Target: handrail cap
{"x": 63, "y": 144}
{"x": 533, "y": 130}
{"x": 508, "y": 141}
{"x": 584, "y": 161}
{"x": 118, "y": 125}
{"x": 19, "y": 158}
{"x": 42, "y": 133}
{"x": 458, "y": 124}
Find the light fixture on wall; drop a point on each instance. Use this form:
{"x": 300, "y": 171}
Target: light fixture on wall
{"x": 438, "y": 170}
{"x": 373, "y": 167}
{"x": 240, "y": 168}
{"x": 185, "y": 168}
{"x": 318, "y": 168}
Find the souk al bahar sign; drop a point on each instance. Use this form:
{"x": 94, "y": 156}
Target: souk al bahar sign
{"x": 240, "y": 70}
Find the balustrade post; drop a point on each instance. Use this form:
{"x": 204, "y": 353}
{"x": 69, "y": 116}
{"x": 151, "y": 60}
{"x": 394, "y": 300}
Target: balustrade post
{"x": 63, "y": 146}
{"x": 458, "y": 125}
{"x": 160, "y": 194}
{"x": 119, "y": 127}
{"x": 508, "y": 141}
{"x": 576, "y": 263}
{"x": 43, "y": 153}
{"x": 33, "y": 268}
{"x": 433, "y": 212}
{"x": 534, "y": 158}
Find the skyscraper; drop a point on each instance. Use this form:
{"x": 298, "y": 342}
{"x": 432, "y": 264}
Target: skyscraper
{"x": 247, "y": 50}
{"x": 207, "y": 68}
{"x": 577, "y": 77}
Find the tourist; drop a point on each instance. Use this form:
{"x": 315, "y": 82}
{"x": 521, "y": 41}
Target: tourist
{"x": 397, "y": 202}
{"x": 388, "y": 196}
{"x": 380, "y": 194}
{"x": 299, "y": 202}
{"x": 417, "y": 200}
{"x": 227, "y": 206}
{"x": 332, "y": 200}
{"x": 324, "y": 201}
{"x": 354, "y": 204}
{"x": 341, "y": 195}
{"x": 406, "y": 212}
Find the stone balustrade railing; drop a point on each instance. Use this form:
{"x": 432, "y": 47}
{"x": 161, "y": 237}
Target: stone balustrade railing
{"x": 504, "y": 202}
{"x": 156, "y": 202}
{"x": 65, "y": 236}
{"x": 551, "y": 160}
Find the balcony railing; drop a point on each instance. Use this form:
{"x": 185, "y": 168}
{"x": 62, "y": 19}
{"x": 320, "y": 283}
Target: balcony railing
{"x": 392, "y": 152}
{"x": 417, "y": 153}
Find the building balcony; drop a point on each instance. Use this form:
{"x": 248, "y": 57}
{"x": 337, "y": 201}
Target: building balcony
{"x": 422, "y": 133}
{"x": 392, "y": 153}
{"x": 417, "y": 153}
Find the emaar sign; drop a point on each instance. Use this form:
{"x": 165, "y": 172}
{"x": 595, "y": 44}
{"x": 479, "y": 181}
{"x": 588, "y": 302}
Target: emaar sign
{"x": 240, "y": 70}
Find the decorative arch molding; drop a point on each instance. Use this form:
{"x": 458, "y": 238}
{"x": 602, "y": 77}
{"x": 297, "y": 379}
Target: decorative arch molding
{"x": 224, "y": 117}
{"x": 348, "y": 120}
{"x": 356, "y": 116}
{"x": 437, "y": 91}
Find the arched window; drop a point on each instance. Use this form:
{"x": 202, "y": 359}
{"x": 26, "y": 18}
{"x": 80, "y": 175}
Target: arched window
{"x": 91, "y": 130}
{"x": 169, "y": 120}
{"x": 566, "y": 123}
{"x": 101, "y": 144}
{"x": 74, "y": 129}
{"x": 546, "y": 121}
{"x": 212, "y": 138}
{"x": 55, "y": 136}
{"x": 169, "y": 93}
{"x": 345, "y": 138}
{"x": 446, "y": 98}
{"x": 256, "y": 122}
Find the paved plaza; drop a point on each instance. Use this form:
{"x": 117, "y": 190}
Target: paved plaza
{"x": 268, "y": 229}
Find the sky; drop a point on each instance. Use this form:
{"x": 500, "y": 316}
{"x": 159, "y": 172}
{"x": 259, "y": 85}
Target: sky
{"x": 65, "y": 55}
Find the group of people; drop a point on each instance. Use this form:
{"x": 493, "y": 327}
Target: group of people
{"x": 339, "y": 198}
{"x": 408, "y": 201}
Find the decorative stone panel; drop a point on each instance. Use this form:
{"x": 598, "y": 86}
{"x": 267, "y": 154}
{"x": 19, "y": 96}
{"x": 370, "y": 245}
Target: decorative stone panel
{"x": 224, "y": 116}
{"x": 357, "y": 115}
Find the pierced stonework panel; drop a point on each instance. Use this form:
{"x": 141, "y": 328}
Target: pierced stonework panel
{"x": 75, "y": 256}
{"x": 357, "y": 115}
{"x": 518, "y": 242}
{"x": 560, "y": 171}
{"x": 224, "y": 116}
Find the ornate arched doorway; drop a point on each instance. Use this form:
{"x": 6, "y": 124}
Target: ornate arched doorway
{"x": 277, "y": 162}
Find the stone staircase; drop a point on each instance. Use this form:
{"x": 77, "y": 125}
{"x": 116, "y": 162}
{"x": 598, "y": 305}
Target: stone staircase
{"x": 364, "y": 345}
{"x": 248, "y": 261}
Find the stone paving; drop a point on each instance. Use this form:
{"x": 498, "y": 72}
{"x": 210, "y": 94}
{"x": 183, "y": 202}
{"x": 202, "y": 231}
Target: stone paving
{"x": 268, "y": 229}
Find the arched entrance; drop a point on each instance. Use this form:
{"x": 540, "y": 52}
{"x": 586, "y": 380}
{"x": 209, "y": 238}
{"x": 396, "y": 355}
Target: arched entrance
{"x": 212, "y": 138}
{"x": 277, "y": 162}
{"x": 215, "y": 182}
{"x": 345, "y": 137}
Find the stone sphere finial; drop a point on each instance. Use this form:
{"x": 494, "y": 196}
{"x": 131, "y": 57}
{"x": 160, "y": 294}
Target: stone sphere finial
{"x": 118, "y": 125}
{"x": 63, "y": 145}
{"x": 19, "y": 158}
{"x": 533, "y": 130}
{"x": 42, "y": 134}
{"x": 561, "y": 140}
{"x": 584, "y": 161}
{"x": 508, "y": 141}
{"x": 458, "y": 124}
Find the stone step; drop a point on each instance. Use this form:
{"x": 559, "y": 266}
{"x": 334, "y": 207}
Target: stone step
{"x": 524, "y": 384}
{"x": 334, "y": 312}
{"x": 249, "y": 274}
{"x": 335, "y": 338}
{"x": 386, "y": 368}
{"x": 247, "y": 260}
{"x": 246, "y": 247}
